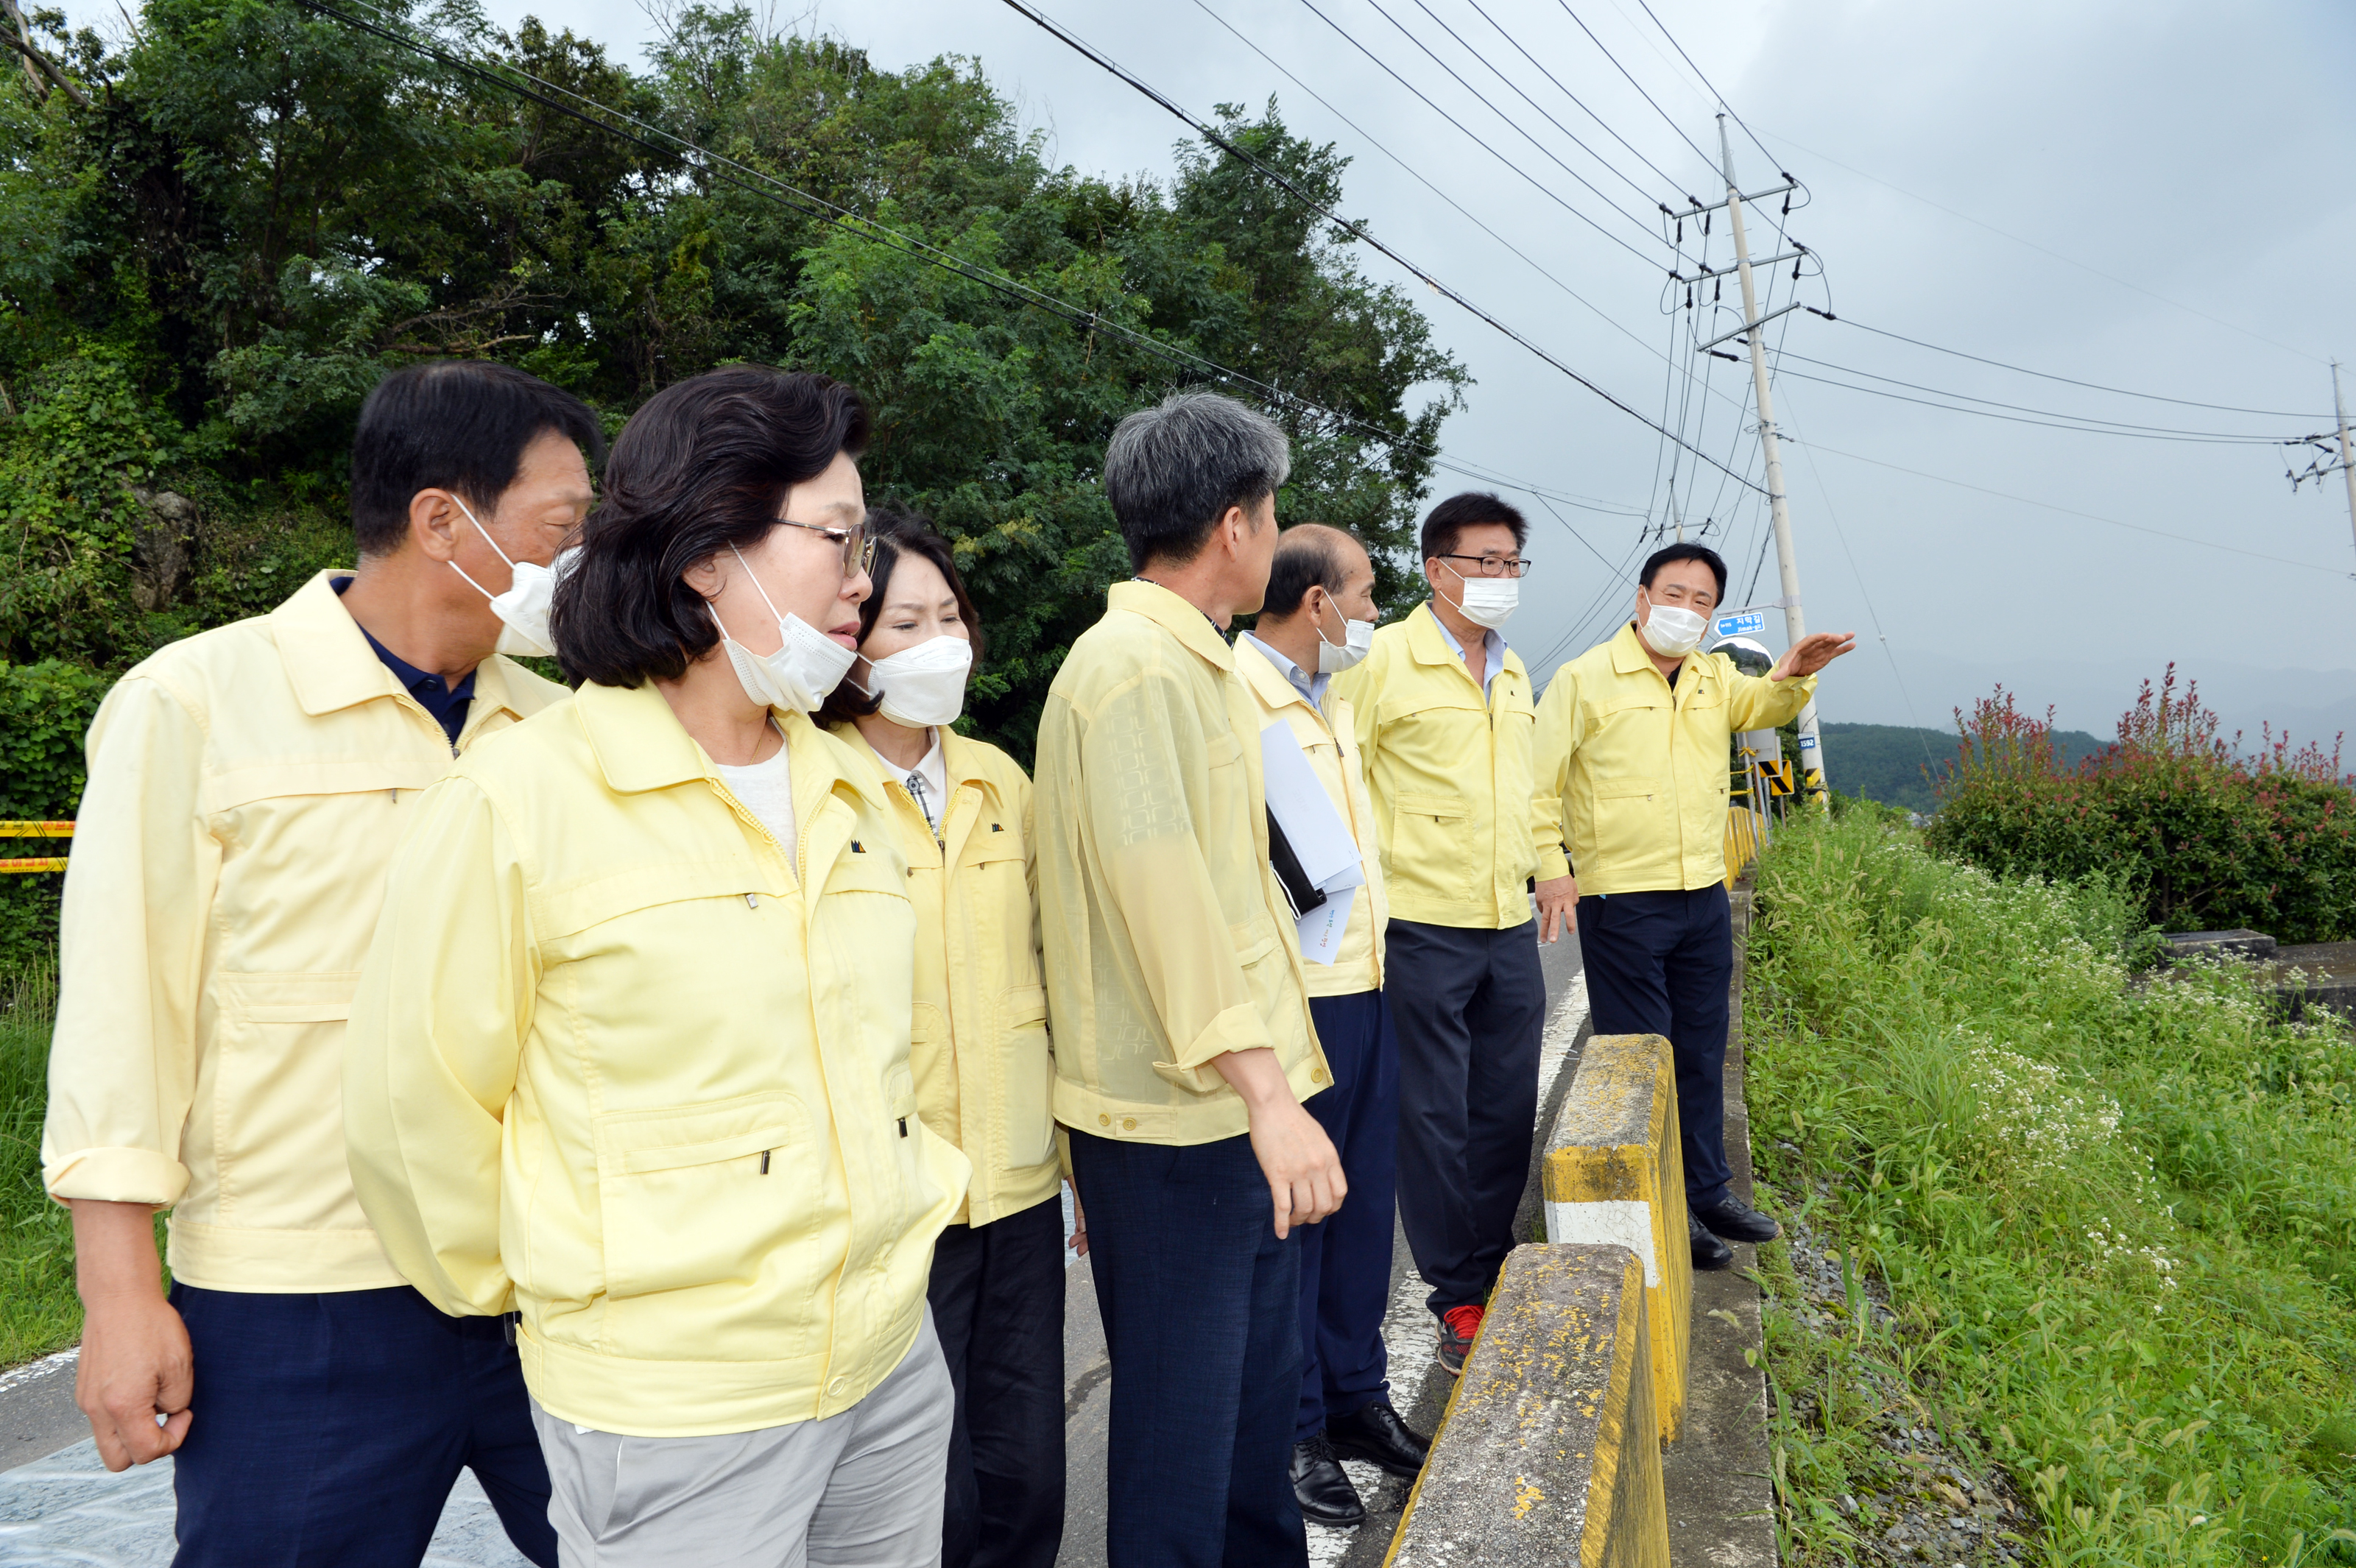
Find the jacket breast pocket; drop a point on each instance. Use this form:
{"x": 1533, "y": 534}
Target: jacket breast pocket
{"x": 1430, "y": 843}
{"x": 705, "y": 1198}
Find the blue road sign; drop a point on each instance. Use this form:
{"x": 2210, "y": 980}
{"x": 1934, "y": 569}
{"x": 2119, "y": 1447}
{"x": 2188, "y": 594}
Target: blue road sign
{"x": 1742, "y": 624}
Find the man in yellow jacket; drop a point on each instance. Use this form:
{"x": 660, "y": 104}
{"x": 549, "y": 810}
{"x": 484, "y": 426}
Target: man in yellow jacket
{"x": 1318, "y": 621}
{"x": 1445, "y": 723}
{"x": 246, "y": 789}
{"x": 1633, "y": 741}
{"x": 1183, "y": 1047}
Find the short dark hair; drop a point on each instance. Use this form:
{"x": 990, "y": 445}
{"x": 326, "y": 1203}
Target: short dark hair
{"x": 1447, "y": 522}
{"x": 1173, "y": 470}
{"x": 899, "y": 533}
{"x": 703, "y": 467}
{"x": 1308, "y": 555}
{"x": 453, "y": 424}
{"x": 1681, "y": 550}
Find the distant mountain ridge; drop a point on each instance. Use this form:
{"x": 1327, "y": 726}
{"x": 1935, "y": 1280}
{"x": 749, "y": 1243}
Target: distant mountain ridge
{"x": 1895, "y": 763}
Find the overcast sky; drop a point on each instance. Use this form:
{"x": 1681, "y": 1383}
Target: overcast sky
{"x": 2149, "y": 194}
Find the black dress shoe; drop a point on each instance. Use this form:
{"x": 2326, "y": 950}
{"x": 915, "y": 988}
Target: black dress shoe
{"x": 1375, "y": 1434}
{"x": 1325, "y": 1493}
{"x": 1737, "y": 1221}
{"x": 1708, "y": 1253}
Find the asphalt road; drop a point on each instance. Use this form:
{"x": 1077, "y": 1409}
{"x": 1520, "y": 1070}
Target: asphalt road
{"x": 1419, "y": 1388}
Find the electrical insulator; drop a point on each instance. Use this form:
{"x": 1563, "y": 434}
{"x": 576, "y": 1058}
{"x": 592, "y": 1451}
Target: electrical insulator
{"x": 1717, "y": 290}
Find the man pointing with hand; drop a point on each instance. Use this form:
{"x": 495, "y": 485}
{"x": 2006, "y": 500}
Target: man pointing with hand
{"x": 1633, "y": 738}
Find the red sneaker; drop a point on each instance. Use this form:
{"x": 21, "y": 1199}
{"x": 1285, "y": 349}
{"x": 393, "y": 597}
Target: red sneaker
{"x": 1458, "y": 1326}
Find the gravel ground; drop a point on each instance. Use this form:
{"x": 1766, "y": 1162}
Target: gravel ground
{"x": 1937, "y": 1504}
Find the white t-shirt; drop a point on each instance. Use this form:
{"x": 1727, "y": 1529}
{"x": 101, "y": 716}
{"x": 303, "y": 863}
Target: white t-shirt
{"x": 766, "y": 790}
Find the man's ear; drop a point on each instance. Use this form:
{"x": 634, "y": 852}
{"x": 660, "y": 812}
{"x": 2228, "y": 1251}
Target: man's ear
{"x": 435, "y": 521}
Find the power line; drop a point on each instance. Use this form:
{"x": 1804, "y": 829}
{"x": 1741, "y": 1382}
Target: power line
{"x": 728, "y": 172}
{"x": 2072, "y": 512}
{"x": 2084, "y": 425}
{"x": 2044, "y": 251}
{"x": 1466, "y": 213}
{"x": 1639, "y": 86}
{"x": 1514, "y": 126}
{"x": 1652, "y": 196}
{"x": 1773, "y": 160}
{"x": 1356, "y": 229}
{"x": 1535, "y": 183}
{"x": 2092, "y": 386}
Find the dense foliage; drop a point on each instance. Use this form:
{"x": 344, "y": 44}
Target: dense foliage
{"x": 2116, "y": 1223}
{"x": 214, "y": 239}
{"x": 2206, "y": 836}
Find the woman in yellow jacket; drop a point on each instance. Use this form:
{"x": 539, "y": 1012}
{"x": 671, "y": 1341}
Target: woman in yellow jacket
{"x": 630, "y": 1052}
{"x": 961, "y": 811}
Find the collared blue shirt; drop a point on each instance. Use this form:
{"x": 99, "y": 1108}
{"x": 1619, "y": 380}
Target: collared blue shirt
{"x": 1312, "y": 686}
{"x": 1493, "y": 641}
{"x": 446, "y": 703}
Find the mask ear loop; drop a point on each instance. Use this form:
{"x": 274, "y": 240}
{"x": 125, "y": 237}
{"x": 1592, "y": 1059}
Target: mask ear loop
{"x": 495, "y": 550}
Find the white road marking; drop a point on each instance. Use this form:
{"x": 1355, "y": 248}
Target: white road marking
{"x": 63, "y": 1361}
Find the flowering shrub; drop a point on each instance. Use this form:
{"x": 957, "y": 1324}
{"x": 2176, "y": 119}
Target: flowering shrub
{"x": 2206, "y": 838}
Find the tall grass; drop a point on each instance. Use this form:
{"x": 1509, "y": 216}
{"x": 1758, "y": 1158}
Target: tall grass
{"x": 2117, "y": 1218}
{"x": 39, "y": 1310}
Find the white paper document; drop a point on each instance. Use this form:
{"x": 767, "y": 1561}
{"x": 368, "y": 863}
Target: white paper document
{"x": 1319, "y": 839}
{"x": 1322, "y": 928}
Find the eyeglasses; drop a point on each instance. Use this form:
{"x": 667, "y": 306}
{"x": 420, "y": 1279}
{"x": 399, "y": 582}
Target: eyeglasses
{"x": 1497, "y": 565}
{"x": 858, "y": 545}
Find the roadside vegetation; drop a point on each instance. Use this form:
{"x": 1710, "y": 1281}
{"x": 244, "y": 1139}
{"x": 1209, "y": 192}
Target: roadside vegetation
{"x": 2085, "y": 1231}
{"x": 39, "y": 1310}
{"x": 2203, "y": 832}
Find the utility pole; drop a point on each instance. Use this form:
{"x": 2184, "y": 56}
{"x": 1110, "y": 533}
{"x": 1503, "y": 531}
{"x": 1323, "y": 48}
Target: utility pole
{"x": 2347, "y": 467}
{"x": 1795, "y": 623}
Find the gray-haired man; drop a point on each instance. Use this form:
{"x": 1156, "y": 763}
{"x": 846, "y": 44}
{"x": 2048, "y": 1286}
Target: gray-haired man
{"x": 1184, "y": 1046}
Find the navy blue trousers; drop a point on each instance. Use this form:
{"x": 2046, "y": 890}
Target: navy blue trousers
{"x": 1661, "y": 962}
{"x": 1202, "y": 1319}
{"x": 1468, "y": 1006}
{"x": 328, "y": 1430}
{"x": 997, "y": 1293}
{"x": 1345, "y": 1262}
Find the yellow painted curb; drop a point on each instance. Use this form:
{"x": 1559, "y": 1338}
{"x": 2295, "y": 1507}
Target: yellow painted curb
{"x": 1549, "y": 1435}
{"x": 1615, "y": 1173}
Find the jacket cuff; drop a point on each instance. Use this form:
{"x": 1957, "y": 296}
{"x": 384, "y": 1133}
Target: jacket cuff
{"x": 1237, "y": 1029}
{"x": 117, "y": 1176}
{"x": 1552, "y": 863}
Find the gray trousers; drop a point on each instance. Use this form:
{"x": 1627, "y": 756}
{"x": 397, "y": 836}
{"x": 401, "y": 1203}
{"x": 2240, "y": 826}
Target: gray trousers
{"x": 863, "y": 1487}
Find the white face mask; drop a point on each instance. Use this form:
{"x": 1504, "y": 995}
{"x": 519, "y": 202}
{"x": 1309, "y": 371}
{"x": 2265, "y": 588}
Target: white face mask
{"x": 807, "y": 665}
{"x": 1358, "y": 641}
{"x": 925, "y": 685}
{"x": 1489, "y": 601}
{"x": 1672, "y": 632}
{"x": 523, "y": 609}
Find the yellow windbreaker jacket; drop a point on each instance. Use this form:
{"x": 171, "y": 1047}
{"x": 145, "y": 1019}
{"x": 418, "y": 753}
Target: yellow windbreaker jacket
{"x": 1632, "y": 776}
{"x": 1168, "y": 941}
{"x": 622, "y": 1061}
{"x": 1331, "y": 743}
{"x": 1448, "y": 769}
{"x": 985, "y": 1074}
{"x": 247, "y": 788}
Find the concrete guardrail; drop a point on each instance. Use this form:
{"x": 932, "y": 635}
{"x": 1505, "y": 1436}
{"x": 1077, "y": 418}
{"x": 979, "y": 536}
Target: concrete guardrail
{"x": 1614, "y": 1173}
{"x": 1549, "y": 1442}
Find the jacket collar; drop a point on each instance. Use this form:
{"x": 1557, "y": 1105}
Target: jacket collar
{"x": 1630, "y": 656}
{"x": 330, "y": 665}
{"x": 640, "y": 744}
{"x": 1428, "y": 642}
{"x": 1173, "y": 616}
{"x": 960, "y": 760}
{"x": 1267, "y": 681}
